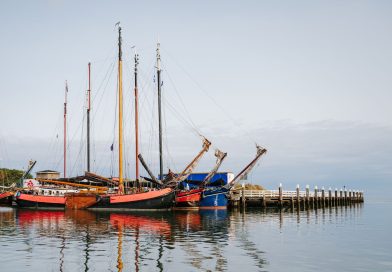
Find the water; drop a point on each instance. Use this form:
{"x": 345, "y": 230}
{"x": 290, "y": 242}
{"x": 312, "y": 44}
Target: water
{"x": 355, "y": 238}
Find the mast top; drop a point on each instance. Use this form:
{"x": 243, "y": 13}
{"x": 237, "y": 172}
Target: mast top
{"x": 158, "y": 57}
{"x": 119, "y": 42}
{"x": 136, "y": 61}
{"x": 66, "y": 91}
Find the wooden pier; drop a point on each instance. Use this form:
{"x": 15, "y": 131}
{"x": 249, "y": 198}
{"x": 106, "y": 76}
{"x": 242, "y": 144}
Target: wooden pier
{"x": 317, "y": 198}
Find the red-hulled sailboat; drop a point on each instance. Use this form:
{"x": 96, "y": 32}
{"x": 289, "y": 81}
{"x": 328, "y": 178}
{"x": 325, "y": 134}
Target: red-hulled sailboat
{"x": 151, "y": 200}
{"x": 191, "y": 198}
{"x": 47, "y": 197}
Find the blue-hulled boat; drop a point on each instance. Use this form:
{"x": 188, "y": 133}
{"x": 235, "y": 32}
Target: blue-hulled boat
{"x": 214, "y": 198}
{"x": 217, "y": 197}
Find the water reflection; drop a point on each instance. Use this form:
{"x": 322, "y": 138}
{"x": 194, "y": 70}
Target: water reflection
{"x": 208, "y": 240}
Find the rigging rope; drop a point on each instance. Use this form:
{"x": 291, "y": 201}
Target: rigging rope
{"x": 228, "y": 115}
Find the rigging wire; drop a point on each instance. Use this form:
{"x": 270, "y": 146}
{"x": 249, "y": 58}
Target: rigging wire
{"x": 112, "y": 164}
{"x": 147, "y": 107}
{"x": 168, "y": 156}
{"x": 190, "y": 122}
{"x": 100, "y": 96}
{"x": 228, "y": 115}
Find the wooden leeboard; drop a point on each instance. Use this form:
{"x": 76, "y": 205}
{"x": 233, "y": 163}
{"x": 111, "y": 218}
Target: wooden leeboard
{"x": 79, "y": 201}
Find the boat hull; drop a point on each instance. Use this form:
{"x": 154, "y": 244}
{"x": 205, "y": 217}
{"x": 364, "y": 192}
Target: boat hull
{"x": 188, "y": 199}
{"x": 40, "y": 201}
{"x": 6, "y": 198}
{"x": 214, "y": 198}
{"x": 152, "y": 200}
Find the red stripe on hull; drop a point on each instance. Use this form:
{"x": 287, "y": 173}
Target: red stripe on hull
{"x": 189, "y": 196}
{"x": 6, "y": 194}
{"x": 42, "y": 198}
{"x": 140, "y": 196}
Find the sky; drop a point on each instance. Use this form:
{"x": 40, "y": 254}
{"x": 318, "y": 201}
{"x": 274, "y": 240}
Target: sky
{"x": 309, "y": 80}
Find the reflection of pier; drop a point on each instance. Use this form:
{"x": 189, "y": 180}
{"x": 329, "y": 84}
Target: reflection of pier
{"x": 304, "y": 214}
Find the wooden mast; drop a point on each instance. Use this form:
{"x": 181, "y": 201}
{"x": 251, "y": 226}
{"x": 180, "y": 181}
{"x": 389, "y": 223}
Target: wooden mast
{"x": 136, "y": 123}
{"x": 120, "y": 117}
{"x": 88, "y": 116}
{"x": 159, "y": 112}
{"x": 248, "y": 168}
{"x": 65, "y": 130}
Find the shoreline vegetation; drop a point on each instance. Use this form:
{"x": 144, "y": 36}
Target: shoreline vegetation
{"x": 10, "y": 176}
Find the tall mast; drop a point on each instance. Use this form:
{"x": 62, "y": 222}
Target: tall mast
{"x": 159, "y": 111}
{"x": 65, "y": 130}
{"x": 88, "y": 116}
{"x": 136, "y": 121}
{"x": 120, "y": 117}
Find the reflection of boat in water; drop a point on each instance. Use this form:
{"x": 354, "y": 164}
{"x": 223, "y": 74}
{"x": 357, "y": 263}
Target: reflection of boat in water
{"x": 134, "y": 241}
{"x": 213, "y": 220}
{"x": 28, "y": 218}
{"x": 153, "y": 226}
{"x": 150, "y": 224}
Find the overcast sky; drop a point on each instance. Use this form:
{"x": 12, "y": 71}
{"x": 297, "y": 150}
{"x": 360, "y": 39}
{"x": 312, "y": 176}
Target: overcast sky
{"x": 309, "y": 80}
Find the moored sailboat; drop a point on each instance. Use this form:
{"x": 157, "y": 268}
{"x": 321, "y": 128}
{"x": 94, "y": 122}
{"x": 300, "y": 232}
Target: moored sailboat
{"x": 191, "y": 198}
{"x": 151, "y": 200}
{"x": 217, "y": 197}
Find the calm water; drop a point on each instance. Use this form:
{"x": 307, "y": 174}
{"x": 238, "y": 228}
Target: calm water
{"x": 356, "y": 238}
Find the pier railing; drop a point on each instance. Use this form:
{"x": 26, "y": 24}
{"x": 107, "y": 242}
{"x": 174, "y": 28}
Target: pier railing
{"x": 280, "y": 197}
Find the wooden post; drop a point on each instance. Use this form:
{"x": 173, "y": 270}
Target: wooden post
{"x": 335, "y": 201}
{"x": 345, "y": 196}
{"x": 341, "y": 197}
{"x": 243, "y": 200}
{"x": 322, "y": 197}
{"x": 280, "y": 195}
{"x": 329, "y": 197}
{"x": 349, "y": 196}
{"x": 307, "y": 196}
{"x": 292, "y": 203}
{"x": 316, "y": 195}
{"x": 298, "y": 199}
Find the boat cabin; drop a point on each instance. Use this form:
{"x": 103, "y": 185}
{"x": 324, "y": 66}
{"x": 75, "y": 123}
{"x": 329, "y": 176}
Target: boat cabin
{"x": 47, "y": 174}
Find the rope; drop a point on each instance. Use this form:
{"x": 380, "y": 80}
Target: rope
{"x": 191, "y": 123}
{"x": 228, "y": 115}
